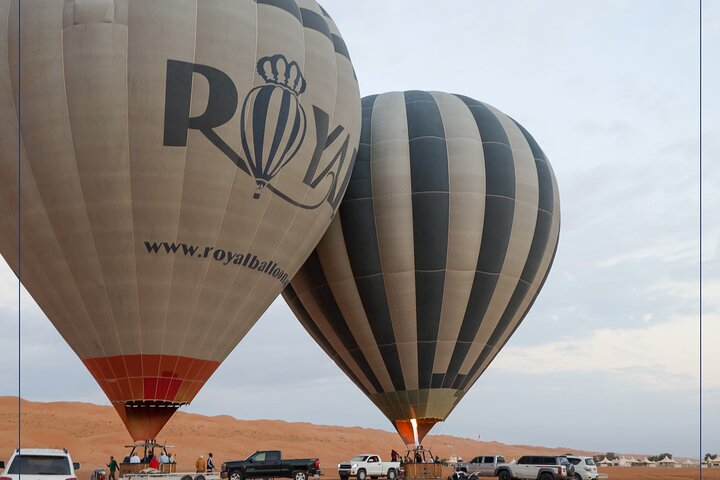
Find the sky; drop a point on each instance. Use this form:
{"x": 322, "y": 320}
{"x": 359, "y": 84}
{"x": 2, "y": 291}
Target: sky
{"x": 608, "y": 359}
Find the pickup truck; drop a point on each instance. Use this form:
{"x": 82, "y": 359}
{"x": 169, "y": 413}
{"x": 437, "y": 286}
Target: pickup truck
{"x": 537, "y": 467}
{"x": 368, "y": 465}
{"x": 269, "y": 464}
{"x": 481, "y": 466}
{"x": 40, "y": 464}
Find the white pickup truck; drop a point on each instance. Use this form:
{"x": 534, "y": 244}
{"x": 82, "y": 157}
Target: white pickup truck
{"x": 39, "y": 464}
{"x": 368, "y": 465}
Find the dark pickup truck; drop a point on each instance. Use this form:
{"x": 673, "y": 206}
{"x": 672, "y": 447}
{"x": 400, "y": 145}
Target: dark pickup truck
{"x": 269, "y": 464}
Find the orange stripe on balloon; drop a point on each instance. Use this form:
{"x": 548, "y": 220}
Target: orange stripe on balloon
{"x": 166, "y": 378}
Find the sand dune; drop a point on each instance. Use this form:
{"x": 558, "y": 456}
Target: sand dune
{"x": 92, "y": 433}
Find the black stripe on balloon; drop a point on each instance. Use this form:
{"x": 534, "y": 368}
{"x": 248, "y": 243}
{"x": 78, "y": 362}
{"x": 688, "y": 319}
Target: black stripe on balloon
{"x": 260, "y": 111}
{"x": 359, "y": 185}
{"x": 465, "y": 384}
{"x": 288, "y": 5}
{"x": 357, "y": 217}
{"x": 340, "y": 46}
{"x": 274, "y": 161}
{"x": 308, "y": 18}
{"x": 538, "y": 247}
{"x": 317, "y": 282}
{"x": 546, "y": 200}
{"x": 497, "y": 227}
{"x": 315, "y": 21}
{"x": 431, "y": 217}
{"x": 306, "y": 321}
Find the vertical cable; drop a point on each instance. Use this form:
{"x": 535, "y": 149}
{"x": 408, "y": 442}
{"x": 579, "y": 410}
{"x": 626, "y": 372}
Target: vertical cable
{"x": 701, "y": 238}
{"x": 19, "y": 225}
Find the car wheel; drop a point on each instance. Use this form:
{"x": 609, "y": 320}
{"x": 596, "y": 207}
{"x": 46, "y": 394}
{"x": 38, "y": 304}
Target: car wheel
{"x": 361, "y": 474}
{"x": 234, "y": 475}
{"x": 505, "y": 475}
{"x": 546, "y": 476}
{"x": 578, "y": 477}
{"x": 391, "y": 474}
{"x": 199, "y": 477}
{"x": 188, "y": 477}
{"x": 299, "y": 476}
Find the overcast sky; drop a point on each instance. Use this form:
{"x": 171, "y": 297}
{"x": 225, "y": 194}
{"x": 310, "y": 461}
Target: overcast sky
{"x": 608, "y": 358}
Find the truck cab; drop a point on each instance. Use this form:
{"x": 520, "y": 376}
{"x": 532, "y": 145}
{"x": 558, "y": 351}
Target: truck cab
{"x": 368, "y": 465}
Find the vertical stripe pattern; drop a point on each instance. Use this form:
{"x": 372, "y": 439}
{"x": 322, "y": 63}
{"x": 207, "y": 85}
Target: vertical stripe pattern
{"x": 449, "y": 226}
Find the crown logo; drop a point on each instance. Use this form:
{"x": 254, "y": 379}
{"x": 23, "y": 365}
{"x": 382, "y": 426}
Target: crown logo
{"x": 279, "y": 71}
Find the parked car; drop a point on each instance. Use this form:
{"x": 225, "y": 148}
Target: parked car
{"x": 269, "y": 464}
{"x": 40, "y": 464}
{"x": 98, "y": 474}
{"x": 585, "y": 468}
{"x": 368, "y": 465}
{"x": 537, "y": 467}
{"x": 481, "y": 466}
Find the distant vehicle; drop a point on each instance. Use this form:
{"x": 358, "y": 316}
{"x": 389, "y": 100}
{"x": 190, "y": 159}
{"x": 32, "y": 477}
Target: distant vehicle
{"x": 368, "y": 465}
{"x": 537, "y": 467}
{"x": 40, "y": 464}
{"x": 481, "y": 466}
{"x": 270, "y": 464}
{"x": 585, "y": 468}
{"x": 98, "y": 474}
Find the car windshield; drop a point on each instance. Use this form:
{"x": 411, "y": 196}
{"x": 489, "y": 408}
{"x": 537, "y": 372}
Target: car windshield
{"x": 39, "y": 465}
{"x": 359, "y": 458}
{"x": 589, "y": 461}
{"x": 574, "y": 461}
{"x": 563, "y": 461}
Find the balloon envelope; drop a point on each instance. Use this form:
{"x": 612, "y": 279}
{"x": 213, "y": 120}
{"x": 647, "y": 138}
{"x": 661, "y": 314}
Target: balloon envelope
{"x": 443, "y": 241}
{"x": 178, "y": 160}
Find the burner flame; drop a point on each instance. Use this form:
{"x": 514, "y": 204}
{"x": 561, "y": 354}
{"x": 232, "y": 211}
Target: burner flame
{"x": 415, "y": 432}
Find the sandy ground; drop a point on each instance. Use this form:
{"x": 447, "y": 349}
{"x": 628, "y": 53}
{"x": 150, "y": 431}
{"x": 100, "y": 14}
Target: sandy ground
{"x": 92, "y": 433}
{"x": 643, "y": 473}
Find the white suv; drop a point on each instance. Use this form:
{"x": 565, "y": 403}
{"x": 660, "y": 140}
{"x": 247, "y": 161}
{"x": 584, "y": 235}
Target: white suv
{"x": 39, "y": 464}
{"x": 585, "y": 468}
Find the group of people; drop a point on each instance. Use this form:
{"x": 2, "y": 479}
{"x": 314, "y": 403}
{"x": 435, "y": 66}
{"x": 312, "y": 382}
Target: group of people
{"x": 154, "y": 462}
{"x": 202, "y": 466}
{"x": 417, "y": 458}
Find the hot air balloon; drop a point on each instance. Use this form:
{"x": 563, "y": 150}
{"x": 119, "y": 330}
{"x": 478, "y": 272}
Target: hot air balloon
{"x": 147, "y": 129}
{"x": 442, "y": 243}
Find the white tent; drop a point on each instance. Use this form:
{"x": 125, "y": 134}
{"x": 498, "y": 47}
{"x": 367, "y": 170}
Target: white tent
{"x": 667, "y": 462}
{"x": 605, "y": 462}
{"x": 689, "y": 463}
{"x": 649, "y": 463}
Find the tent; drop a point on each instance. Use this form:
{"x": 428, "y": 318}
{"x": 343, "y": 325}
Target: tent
{"x": 667, "y": 462}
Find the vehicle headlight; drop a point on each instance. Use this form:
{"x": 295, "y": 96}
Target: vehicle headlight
{"x": 354, "y": 465}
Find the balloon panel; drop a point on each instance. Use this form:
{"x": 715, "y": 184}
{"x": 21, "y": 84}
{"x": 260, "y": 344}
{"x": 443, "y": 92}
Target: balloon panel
{"x": 443, "y": 240}
{"x": 178, "y": 162}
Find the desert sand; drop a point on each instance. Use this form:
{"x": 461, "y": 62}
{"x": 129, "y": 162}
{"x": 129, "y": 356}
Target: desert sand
{"x": 92, "y": 433}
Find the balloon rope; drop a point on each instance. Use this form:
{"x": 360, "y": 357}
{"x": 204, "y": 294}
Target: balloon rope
{"x": 298, "y": 204}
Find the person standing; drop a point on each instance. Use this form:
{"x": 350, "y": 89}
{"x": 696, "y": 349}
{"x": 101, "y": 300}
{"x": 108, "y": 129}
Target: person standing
{"x": 210, "y": 463}
{"x": 113, "y": 466}
{"x": 200, "y": 465}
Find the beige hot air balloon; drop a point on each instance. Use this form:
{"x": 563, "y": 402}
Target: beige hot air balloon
{"x": 178, "y": 160}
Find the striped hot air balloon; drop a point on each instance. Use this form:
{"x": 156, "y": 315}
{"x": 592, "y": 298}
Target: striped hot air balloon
{"x": 443, "y": 241}
{"x": 139, "y": 235}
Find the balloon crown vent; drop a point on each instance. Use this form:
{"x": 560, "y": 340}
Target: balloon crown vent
{"x": 278, "y": 70}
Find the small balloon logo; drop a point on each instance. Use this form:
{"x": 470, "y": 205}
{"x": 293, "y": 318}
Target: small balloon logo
{"x": 273, "y": 123}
